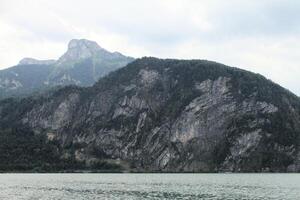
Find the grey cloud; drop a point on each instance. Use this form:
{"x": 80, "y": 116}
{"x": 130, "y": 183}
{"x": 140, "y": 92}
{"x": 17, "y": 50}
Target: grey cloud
{"x": 256, "y": 18}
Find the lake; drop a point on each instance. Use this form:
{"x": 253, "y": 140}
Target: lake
{"x": 149, "y": 186}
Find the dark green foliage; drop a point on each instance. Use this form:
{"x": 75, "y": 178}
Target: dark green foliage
{"x": 21, "y": 150}
{"x": 106, "y": 166}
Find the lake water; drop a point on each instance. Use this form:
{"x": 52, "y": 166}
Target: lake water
{"x": 150, "y": 186}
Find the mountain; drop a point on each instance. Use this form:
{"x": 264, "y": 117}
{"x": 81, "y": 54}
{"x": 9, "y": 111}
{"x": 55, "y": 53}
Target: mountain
{"x": 83, "y": 64}
{"x": 156, "y": 115}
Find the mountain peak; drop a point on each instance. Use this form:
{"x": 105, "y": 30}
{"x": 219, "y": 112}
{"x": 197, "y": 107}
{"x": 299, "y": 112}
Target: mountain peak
{"x": 82, "y": 44}
{"x": 32, "y": 61}
{"x": 79, "y": 49}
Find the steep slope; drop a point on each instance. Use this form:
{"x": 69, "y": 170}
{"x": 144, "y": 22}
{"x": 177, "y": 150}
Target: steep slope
{"x": 169, "y": 115}
{"x": 83, "y": 64}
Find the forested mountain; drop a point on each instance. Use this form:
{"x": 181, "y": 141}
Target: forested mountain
{"x": 156, "y": 115}
{"x": 83, "y": 64}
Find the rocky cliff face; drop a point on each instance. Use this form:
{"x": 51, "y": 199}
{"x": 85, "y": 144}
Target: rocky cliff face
{"x": 83, "y": 64}
{"x": 170, "y": 115}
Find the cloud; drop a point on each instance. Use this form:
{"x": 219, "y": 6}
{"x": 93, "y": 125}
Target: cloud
{"x": 258, "y": 35}
{"x": 256, "y": 18}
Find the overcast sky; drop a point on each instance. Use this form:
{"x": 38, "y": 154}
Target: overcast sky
{"x": 262, "y": 36}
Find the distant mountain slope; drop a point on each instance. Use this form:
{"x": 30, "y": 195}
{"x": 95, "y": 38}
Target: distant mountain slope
{"x": 83, "y": 64}
{"x": 160, "y": 115}
{"x": 23, "y": 79}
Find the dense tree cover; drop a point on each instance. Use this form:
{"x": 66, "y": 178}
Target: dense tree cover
{"x": 23, "y": 151}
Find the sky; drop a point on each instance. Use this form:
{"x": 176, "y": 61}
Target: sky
{"x": 262, "y": 36}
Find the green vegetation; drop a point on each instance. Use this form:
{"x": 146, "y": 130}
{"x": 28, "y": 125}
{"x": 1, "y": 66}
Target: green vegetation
{"x": 23, "y": 151}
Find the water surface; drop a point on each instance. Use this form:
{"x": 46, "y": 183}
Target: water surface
{"x": 149, "y": 186}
